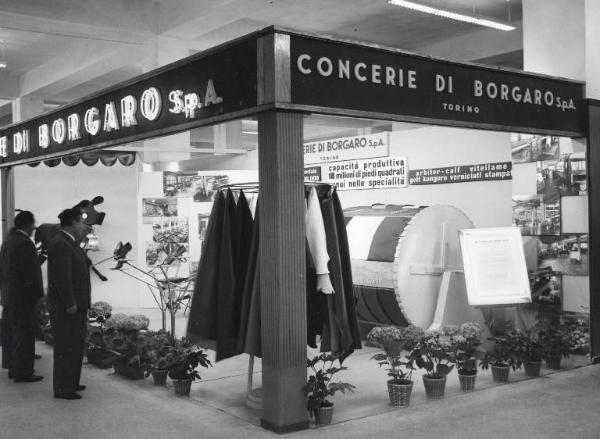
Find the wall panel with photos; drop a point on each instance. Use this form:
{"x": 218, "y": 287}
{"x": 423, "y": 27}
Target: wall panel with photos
{"x": 550, "y": 208}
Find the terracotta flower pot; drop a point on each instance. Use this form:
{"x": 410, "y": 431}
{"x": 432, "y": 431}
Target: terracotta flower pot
{"x": 532, "y": 368}
{"x": 553, "y": 362}
{"x": 500, "y": 373}
{"x": 182, "y": 387}
{"x": 400, "y": 393}
{"x": 159, "y": 377}
{"x": 434, "y": 387}
{"x": 467, "y": 382}
{"x": 323, "y": 415}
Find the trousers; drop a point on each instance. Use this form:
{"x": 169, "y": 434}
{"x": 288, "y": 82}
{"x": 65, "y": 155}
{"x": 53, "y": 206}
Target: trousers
{"x": 18, "y": 344}
{"x": 69, "y": 332}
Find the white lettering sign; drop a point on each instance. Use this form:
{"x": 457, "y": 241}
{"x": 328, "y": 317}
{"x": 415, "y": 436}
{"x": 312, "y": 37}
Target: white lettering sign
{"x": 335, "y": 150}
{"x": 381, "y": 173}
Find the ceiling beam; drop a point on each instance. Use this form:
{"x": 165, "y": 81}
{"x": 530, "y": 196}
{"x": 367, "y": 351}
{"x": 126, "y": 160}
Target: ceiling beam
{"x": 40, "y": 25}
{"x": 484, "y": 43}
{"x": 77, "y": 66}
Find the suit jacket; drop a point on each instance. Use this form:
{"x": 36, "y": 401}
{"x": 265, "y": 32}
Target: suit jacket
{"x": 68, "y": 274}
{"x": 20, "y": 273}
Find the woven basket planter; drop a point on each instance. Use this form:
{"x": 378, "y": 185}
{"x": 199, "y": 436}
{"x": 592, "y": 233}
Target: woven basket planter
{"x": 553, "y": 362}
{"x": 100, "y": 358}
{"x": 399, "y": 393}
{"x": 159, "y": 377}
{"x": 532, "y": 368}
{"x": 467, "y": 382}
{"x": 127, "y": 371}
{"x": 500, "y": 373}
{"x": 182, "y": 387}
{"x": 323, "y": 415}
{"x": 434, "y": 387}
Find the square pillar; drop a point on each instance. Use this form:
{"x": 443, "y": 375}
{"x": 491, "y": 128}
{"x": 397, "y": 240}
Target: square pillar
{"x": 7, "y": 184}
{"x": 282, "y": 270}
{"x": 593, "y": 169}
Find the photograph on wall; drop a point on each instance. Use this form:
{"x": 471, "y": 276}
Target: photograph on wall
{"x": 201, "y": 188}
{"x": 563, "y": 177}
{"x": 532, "y": 148}
{"x": 546, "y": 288}
{"x": 534, "y": 217}
{"x": 169, "y": 246}
{"x": 566, "y": 253}
{"x": 159, "y": 207}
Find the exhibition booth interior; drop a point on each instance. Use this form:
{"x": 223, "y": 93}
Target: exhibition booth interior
{"x": 399, "y": 194}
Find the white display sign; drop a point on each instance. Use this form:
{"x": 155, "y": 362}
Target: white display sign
{"x": 381, "y": 173}
{"x": 346, "y": 148}
{"x": 494, "y": 264}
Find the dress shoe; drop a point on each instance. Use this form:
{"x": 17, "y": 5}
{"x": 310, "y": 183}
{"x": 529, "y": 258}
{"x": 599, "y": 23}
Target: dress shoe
{"x": 80, "y": 387}
{"x": 29, "y": 379}
{"x": 70, "y": 395}
{"x": 37, "y": 356}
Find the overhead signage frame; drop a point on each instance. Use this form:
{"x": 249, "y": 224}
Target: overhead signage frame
{"x": 286, "y": 70}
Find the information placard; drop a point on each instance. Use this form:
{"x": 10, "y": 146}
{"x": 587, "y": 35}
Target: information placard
{"x": 346, "y": 148}
{"x": 381, "y": 173}
{"x": 494, "y": 264}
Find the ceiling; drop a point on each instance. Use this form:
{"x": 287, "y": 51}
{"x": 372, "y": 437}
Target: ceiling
{"x": 61, "y": 50}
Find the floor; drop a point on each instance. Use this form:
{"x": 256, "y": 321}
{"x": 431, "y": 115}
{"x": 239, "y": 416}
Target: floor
{"x": 560, "y": 404}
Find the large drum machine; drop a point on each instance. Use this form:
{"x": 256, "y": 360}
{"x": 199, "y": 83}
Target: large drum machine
{"x": 407, "y": 265}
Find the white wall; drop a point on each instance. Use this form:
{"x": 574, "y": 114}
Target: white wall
{"x": 486, "y": 203}
{"x": 46, "y": 191}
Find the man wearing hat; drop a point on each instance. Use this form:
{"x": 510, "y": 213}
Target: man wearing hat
{"x": 69, "y": 299}
{"x": 21, "y": 286}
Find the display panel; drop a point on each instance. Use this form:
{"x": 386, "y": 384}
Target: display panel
{"x": 494, "y": 264}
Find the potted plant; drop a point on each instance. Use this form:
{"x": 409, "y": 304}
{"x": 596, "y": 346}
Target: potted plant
{"x": 556, "y": 343}
{"x": 530, "y": 351}
{"x": 466, "y": 353}
{"x": 435, "y": 354}
{"x": 160, "y": 357}
{"x": 184, "y": 358}
{"x": 393, "y": 341}
{"x": 319, "y": 387}
{"x": 503, "y": 356}
{"x": 127, "y": 337}
{"x": 97, "y": 350}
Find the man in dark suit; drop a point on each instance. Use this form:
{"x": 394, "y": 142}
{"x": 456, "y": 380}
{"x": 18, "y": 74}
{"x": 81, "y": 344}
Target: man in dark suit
{"x": 22, "y": 287}
{"x": 69, "y": 299}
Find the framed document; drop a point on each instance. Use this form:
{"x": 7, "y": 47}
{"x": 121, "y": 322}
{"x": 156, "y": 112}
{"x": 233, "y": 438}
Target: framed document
{"x": 494, "y": 264}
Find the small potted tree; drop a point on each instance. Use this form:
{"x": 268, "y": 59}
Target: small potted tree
{"x": 184, "y": 358}
{"x": 393, "y": 341}
{"x": 319, "y": 387}
{"x": 466, "y": 353}
{"x": 435, "y": 354}
{"x": 503, "y": 356}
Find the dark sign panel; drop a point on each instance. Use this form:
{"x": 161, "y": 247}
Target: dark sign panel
{"x": 170, "y": 100}
{"x": 461, "y": 174}
{"x": 312, "y": 173}
{"x": 370, "y": 80}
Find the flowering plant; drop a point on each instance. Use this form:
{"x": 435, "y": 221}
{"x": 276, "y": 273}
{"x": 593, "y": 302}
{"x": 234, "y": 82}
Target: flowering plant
{"x": 161, "y": 355}
{"x": 99, "y": 312}
{"x": 580, "y": 337}
{"x": 435, "y": 352}
{"x": 555, "y": 338}
{"x": 122, "y": 322}
{"x": 528, "y": 346}
{"x": 319, "y": 385}
{"x": 466, "y": 347}
{"x": 393, "y": 340}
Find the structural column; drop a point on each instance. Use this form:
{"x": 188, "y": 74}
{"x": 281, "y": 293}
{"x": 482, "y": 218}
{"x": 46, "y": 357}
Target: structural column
{"x": 282, "y": 270}
{"x": 593, "y": 154}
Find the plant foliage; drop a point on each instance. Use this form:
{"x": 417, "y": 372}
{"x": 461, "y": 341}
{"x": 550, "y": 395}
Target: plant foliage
{"x": 394, "y": 341}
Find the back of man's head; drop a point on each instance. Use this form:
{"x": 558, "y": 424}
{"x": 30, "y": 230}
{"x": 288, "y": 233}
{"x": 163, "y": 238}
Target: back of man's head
{"x": 24, "y": 219}
{"x": 68, "y": 216}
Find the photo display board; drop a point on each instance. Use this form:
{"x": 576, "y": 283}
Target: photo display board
{"x": 494, "y": 265}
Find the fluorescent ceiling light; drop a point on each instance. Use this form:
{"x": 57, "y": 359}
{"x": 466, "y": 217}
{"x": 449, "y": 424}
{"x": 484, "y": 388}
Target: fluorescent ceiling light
{"x": 451, "y": 15}
{"x": 2, "y": 64}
